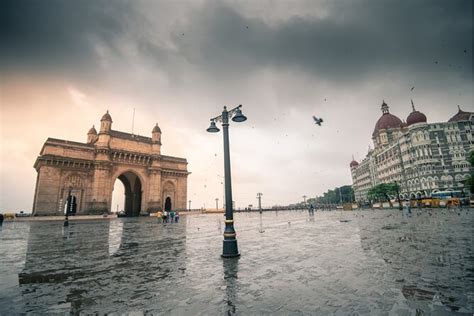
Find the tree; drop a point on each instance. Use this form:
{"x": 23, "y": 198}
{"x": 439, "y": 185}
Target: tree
{"x": 381, "y": 192}
{"x": 344, "y": 194}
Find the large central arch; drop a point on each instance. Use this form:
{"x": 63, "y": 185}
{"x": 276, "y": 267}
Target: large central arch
{"x": 133, "y": 193}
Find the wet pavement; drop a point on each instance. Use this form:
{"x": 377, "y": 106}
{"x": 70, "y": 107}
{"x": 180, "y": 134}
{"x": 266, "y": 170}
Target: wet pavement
{"x": 377, "y": 262}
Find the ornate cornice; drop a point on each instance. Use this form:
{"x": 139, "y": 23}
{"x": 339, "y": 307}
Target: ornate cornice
{"x": 63, "y": 162}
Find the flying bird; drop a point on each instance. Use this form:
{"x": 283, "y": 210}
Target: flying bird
{"x": 412, "y": 88}
{"x": 317, "y": 120}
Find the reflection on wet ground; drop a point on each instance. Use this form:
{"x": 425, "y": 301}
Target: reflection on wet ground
{"x": 364, "y": 262}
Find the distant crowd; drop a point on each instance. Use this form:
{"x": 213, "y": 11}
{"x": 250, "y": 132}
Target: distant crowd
{"x": 168, "y": 216}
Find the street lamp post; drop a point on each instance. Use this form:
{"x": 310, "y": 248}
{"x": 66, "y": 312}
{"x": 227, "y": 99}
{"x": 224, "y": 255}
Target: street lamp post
{"x": 217, "y": 203}
{"x": 259, "y": 197}
{"x": 230, "y": 248}
{"x": 68, "y": 208}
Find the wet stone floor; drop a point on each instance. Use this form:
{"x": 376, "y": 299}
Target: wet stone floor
{"x": 376, "y": 262}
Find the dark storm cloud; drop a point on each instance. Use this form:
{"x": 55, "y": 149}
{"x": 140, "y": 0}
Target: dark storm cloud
{"x": 59, "y": 35}
{"x": 355, "y": 39}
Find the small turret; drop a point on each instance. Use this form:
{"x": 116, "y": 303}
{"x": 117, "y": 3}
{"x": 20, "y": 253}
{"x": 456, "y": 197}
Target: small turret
{"x": 156, "y": 139}
{"x": 156, "y": 134}
{"x": 91, "y": 135}
{"x": 106, "y": 123}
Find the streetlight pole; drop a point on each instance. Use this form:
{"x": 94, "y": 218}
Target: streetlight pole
{"x": 217, "y": 203}
{"x": 259, "y": 197}
{"x": 230, "y": 248}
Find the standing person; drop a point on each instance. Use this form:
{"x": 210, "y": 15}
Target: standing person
{"x": 176, "y": 217}
{"x": 165, "y": 216}
{"x": 408, "y": 209}
{"x": 172, "y": 216}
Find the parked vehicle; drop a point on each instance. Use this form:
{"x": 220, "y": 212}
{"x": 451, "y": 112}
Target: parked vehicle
{"x": 22, "y": 214}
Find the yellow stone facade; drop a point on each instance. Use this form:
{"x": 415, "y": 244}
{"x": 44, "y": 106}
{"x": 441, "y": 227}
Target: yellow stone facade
{"x": 89, "y": 170}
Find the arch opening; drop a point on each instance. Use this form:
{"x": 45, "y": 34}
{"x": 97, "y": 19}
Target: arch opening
{"x": 131, "y": 195}
{"x": 70, "y": 205}
{"x": 168, "y": 204}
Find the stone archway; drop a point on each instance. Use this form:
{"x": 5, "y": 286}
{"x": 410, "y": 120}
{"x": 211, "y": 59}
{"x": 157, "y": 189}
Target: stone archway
{"x": 94, "y": 167}
{"x": 133, "y": 193}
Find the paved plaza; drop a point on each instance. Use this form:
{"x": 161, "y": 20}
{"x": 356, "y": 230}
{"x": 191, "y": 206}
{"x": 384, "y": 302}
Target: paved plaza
{"x": 377, "y": 262}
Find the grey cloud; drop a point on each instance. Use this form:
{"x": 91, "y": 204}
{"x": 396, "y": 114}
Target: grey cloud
{"x": 356, "y": 39}
{"x": 59, "y": 35}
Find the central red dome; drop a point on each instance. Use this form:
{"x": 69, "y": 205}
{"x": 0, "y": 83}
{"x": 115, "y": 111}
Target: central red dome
{"x": 387, "y": 120}
{"x": 415, "y": 116}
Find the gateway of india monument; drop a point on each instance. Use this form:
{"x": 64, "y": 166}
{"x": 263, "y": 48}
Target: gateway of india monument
{"x": 88, "y": 171}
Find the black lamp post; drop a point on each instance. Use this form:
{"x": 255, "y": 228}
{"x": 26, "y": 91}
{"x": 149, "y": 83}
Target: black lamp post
{"x": 68, "y": 208}
{"x": 259, "y": 197}
{"x": 230, "y": 248}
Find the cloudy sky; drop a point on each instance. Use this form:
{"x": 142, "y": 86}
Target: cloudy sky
{"x": 64, "y": 63}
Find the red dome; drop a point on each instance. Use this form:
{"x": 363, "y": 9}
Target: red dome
{"x": 354, "y": 163}
{"x": 416, "y": 117}
{"x": 460, "y": 116}
{"x": 387, "y": 120}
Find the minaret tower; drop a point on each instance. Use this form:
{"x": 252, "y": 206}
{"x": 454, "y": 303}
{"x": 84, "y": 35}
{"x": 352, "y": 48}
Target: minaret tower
{"x": 92, "y": 135}
{"x": 156, "y": 139}
{"x": 105, "y": 128}
{"x": 106, "y": 123}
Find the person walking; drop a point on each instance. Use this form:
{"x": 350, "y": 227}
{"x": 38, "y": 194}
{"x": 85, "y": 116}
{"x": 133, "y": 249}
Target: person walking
{"x": 165, "y": 216}
{"x": 176, "y": 217}
{"x": 172, "y": 216}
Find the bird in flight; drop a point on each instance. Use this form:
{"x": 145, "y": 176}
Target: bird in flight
{"x": 317, "y": 120}
{"x": 412, "y": 88}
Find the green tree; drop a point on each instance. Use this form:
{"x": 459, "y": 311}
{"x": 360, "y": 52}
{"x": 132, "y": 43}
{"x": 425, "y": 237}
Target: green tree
{"x": 381, "y": 192}
{"x": 344, "y": 194}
